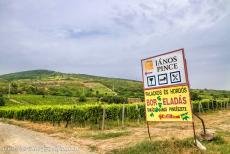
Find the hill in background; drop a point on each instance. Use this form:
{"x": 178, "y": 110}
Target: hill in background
{"x": 46, "y": 82}
{"x": 33, "y": 74}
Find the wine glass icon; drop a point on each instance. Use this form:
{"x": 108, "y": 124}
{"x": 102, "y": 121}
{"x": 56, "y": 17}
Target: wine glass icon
{"x": 151, "y": 81}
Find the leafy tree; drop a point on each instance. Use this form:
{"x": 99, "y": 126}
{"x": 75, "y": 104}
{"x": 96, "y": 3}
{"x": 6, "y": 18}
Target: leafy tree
{"x": 114, "y": 99}
{"x": 89, "y": 92}
{"x": 214, "y": 96}
{"x": 14, "y": 88}
{"x": 97, "y": 93}
{"x": 31, "y": 89}
{"x": 195, "y": 96}
{"x": 2, "y": 101}
{"x": 82, "y": 98}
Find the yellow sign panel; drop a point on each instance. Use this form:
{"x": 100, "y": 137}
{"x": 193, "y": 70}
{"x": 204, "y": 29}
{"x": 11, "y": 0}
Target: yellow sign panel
{"x": 168, "y": 104}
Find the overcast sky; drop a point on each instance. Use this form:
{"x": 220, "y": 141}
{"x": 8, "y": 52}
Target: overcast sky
{"x": 110, "y": 37}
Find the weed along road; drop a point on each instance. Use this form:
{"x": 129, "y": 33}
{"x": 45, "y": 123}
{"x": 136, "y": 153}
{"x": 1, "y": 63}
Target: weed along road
{"x": 17, "y": 140}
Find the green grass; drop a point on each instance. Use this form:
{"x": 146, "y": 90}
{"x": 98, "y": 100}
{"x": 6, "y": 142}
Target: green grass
{"x": 160, "y": 147}
{"x": 42, "y": 100}
{"x": 102, "y": 89}
{"x": 219, "y": 145}
{"x": 107, "y": 135}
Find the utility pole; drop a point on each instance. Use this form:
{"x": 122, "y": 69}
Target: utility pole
{"x": 113, "y": 85}
{"x": 9, "y": 90}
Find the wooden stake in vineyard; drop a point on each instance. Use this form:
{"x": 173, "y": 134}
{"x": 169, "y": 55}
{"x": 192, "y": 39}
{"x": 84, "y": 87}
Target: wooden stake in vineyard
{"x": 103, "y": 118}
{"x": 123, "y": 115}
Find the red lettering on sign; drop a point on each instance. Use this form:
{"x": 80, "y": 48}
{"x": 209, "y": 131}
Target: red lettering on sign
{"x": 151, "y": 102}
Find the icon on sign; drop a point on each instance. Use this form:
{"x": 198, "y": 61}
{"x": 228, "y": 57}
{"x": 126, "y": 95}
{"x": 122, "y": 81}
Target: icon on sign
{"x": 162, "y": 79}
{"x": 151, "y": 81}
{"x": 175, "y": 77}
{"x": 148, "y": 66}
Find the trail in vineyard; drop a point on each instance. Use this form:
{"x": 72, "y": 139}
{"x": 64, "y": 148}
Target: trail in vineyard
{"x": 17, "y": 140}
{"x": 14, "y": 101}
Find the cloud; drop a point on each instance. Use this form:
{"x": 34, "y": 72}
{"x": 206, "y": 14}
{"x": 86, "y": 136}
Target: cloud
{"x": 109, "y": 37}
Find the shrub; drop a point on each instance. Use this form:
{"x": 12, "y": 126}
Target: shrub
{"x": 195, "y": 96}
{"x": 82, "y": 98}
{"x": 2, "y": 101}
{"x": 114, "y": 99}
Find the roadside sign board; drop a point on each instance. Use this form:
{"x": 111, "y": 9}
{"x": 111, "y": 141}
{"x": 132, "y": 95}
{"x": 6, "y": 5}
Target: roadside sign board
{"x": 166, "y": 87}
{"x": 164, "y": 70}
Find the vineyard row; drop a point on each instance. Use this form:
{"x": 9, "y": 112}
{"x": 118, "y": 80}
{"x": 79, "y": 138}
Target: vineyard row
{"x": 91, "y": 114}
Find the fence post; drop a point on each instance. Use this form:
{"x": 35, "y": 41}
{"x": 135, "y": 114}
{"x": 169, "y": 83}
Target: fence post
{"x": 138, "y": 118}
{"x": 200, "y": 107}
{"x": 213, "y": 106}
{"x": 103, "y": 118}
{"x": 123, "y": 115}
{"x": 118, "y": 122}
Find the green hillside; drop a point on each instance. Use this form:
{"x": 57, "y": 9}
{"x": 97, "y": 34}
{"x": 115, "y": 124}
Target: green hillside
{"x": 33, "y": 74}
{"x": 46, "y": 82}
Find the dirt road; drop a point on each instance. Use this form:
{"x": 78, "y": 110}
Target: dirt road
{"x": 17, "y": 140}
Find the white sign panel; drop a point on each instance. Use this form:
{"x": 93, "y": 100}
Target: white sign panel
{"x": 164, "y": 70}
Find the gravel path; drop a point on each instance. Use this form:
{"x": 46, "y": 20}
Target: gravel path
{"x": 17, "y": 140}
